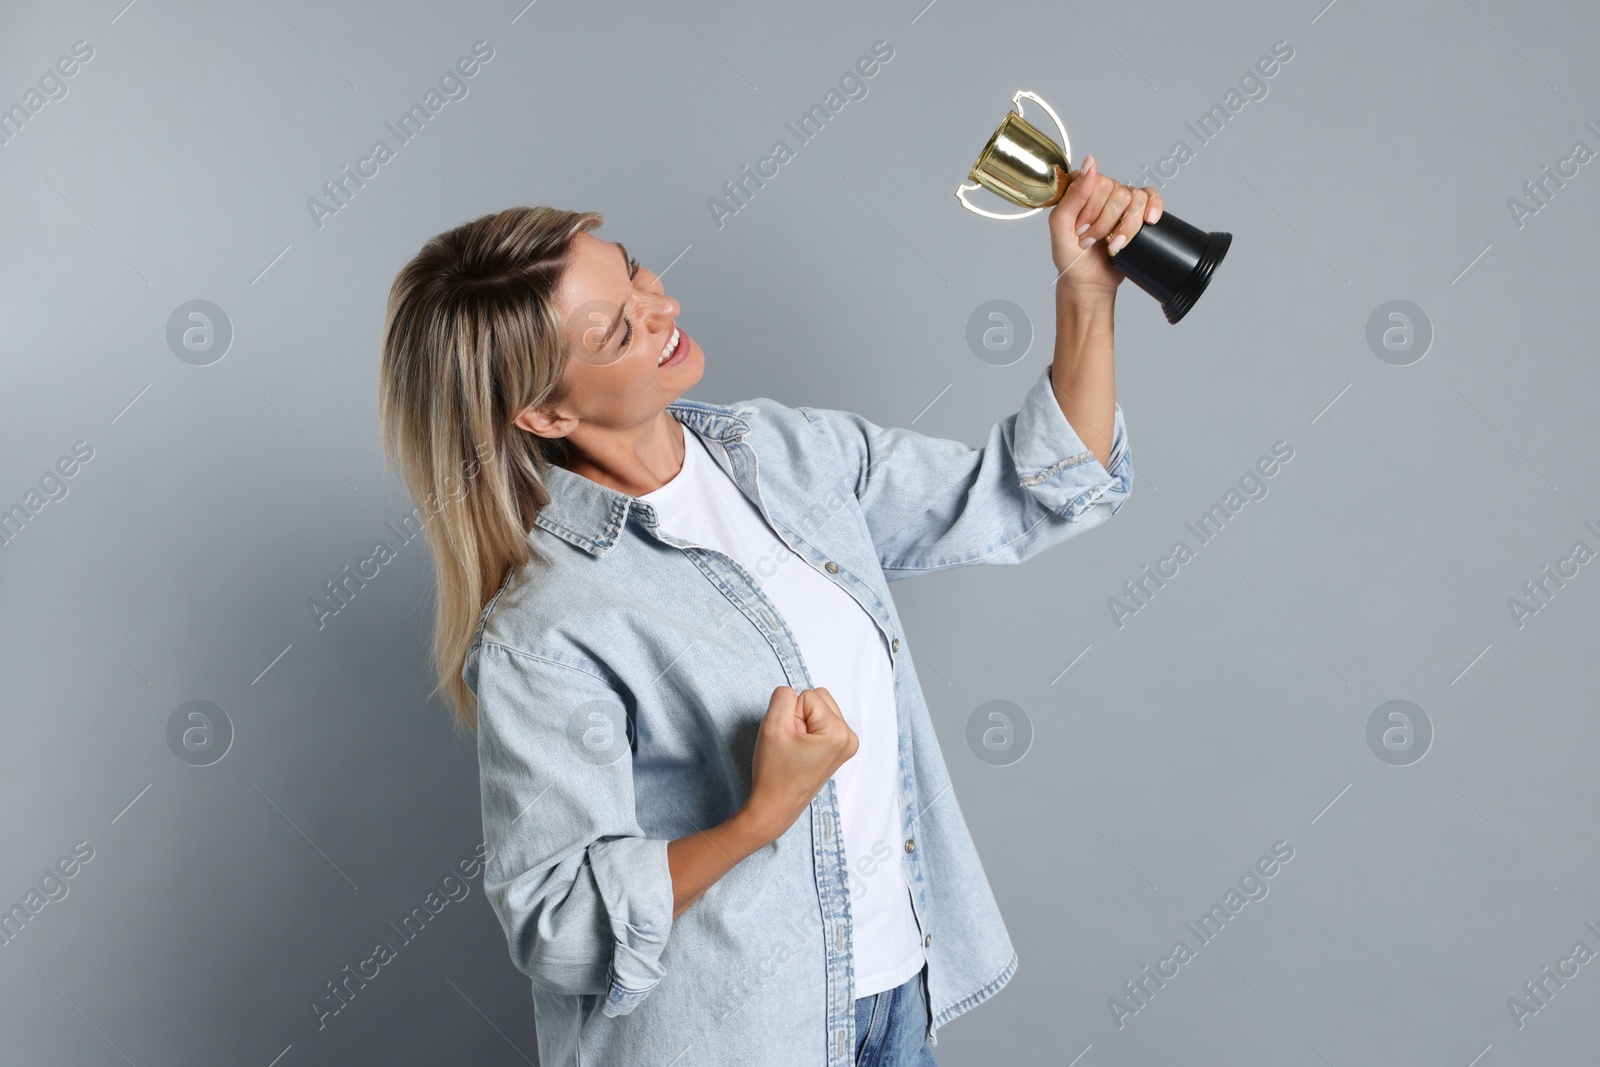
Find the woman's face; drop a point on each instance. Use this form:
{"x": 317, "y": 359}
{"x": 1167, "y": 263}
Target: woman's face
{"x": 618, "y": 325}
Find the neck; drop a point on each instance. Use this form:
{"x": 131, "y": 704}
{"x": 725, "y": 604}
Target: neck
{"x": 634, "y": 460}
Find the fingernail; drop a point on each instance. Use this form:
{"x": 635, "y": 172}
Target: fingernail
{"x": 1086, "y": 242}
{"x": 1115, "y": 244}
{"x": 1080, "y": 230}
{"x": 1150, "y": 216}
{"x": 1088, "y": 163}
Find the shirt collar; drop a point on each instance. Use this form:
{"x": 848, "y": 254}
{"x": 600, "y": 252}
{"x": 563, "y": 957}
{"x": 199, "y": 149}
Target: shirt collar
{"x": 590, "y": 515}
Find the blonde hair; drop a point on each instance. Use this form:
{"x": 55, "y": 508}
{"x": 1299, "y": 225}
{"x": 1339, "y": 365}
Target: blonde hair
{"x": 472, "y": 336}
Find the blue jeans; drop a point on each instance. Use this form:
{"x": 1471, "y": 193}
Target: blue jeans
{"x": 892, "y": 1028}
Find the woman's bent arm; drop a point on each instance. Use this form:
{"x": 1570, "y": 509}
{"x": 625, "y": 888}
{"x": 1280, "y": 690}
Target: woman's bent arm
{"x": 803, "y": 739}
{"x": 700, "y": 859}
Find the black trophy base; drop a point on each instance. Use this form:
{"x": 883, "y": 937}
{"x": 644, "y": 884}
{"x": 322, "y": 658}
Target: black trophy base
{"x": 1173, "y": 262}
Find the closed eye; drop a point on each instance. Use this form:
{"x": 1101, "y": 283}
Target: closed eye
{"x": 627, "y": 333}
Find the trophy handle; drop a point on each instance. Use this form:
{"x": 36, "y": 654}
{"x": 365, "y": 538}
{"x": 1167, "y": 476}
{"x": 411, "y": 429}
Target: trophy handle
{"x": 963, "y": 189}
{"x": 1066, "y": 143}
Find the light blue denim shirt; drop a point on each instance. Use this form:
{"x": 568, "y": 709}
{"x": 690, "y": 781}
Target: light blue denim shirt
{"x": 621, "y": 676}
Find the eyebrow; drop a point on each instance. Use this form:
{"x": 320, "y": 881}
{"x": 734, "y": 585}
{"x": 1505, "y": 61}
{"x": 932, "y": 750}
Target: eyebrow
{"x": 627, "y": 263}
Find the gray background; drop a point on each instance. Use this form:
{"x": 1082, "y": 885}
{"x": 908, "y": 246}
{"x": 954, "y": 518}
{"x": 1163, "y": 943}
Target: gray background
{"x": 1229, "y": 714}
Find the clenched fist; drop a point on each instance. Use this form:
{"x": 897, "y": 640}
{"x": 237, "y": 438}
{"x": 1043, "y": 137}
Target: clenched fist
{"x": 803, "y": 739}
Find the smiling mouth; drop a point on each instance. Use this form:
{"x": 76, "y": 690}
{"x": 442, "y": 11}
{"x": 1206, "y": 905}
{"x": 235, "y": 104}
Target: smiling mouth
{"x": 674, "y": 343}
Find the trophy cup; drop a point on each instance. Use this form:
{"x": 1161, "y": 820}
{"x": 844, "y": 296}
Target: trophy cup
{"x": 1169, "y": 259}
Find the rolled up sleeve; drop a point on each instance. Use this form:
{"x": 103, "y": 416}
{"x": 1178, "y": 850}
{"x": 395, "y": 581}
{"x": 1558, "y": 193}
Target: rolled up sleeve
{"x": 1058, "y": 469}
{"x": 584, "y": 897}
{"x": 931, "y": 503}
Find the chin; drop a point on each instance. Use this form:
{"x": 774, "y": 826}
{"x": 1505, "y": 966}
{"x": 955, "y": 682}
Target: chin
{"x": 694, "y": 364}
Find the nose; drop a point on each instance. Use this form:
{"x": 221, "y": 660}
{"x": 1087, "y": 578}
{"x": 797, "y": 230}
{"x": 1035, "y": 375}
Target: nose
{"x": 660, "y": 307}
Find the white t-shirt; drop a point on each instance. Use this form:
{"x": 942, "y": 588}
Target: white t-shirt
{"x": 846, "y": 654}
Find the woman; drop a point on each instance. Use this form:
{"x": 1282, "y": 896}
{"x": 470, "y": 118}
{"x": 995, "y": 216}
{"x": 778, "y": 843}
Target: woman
{"x": 722, "y": 831}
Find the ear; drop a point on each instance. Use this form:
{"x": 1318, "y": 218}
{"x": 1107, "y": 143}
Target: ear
{"x": 545, "y": 422}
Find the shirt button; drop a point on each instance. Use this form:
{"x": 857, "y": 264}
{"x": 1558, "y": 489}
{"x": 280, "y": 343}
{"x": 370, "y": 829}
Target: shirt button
{"x": 911, "y": 844}
{"x": 927, "y": 941}
{"x": 894, "y": 646}
{"x": 833, "y": 568}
